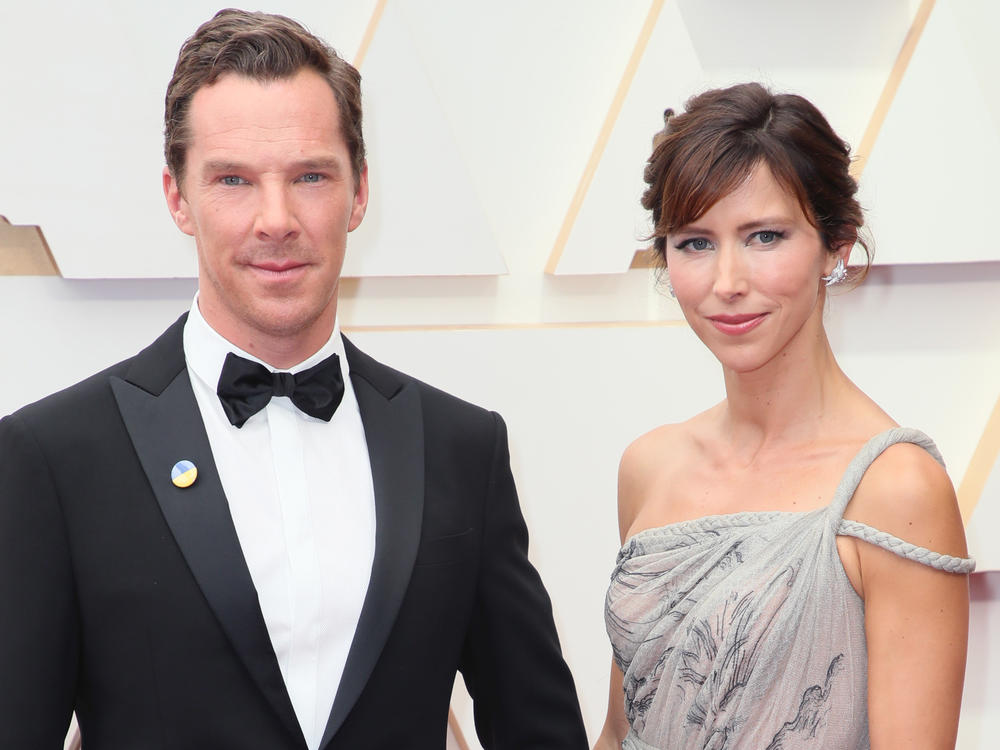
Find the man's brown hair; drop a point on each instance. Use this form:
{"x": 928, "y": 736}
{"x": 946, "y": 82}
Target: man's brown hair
{"x": 263, "y": 47}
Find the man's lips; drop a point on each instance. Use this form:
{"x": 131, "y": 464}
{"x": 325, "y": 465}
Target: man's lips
{"x": 735, "y": 325}
{"x": 284, "y": 267}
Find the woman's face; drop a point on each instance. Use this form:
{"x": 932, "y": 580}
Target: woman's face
{"x": 747, "y": 275}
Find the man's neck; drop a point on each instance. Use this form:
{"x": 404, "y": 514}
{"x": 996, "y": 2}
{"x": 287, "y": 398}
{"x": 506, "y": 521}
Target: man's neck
{"x": 281, "y": 350}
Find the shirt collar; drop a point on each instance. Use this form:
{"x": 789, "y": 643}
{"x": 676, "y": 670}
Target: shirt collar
{"x": 205, "y": 350}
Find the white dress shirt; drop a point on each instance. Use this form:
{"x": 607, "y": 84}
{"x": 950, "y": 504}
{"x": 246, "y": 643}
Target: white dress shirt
{"x": 301, "y": 497}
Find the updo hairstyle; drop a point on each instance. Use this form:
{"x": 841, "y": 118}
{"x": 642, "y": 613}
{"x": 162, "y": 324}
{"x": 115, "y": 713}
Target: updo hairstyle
{"x": 707, "y": 152}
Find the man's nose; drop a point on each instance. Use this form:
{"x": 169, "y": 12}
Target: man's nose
{"x": 275, "y": 214}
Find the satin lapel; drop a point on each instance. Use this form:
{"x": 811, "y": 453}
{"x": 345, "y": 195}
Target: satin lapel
{"x": 165, "y": 427}
{"x": 390, "y": 410}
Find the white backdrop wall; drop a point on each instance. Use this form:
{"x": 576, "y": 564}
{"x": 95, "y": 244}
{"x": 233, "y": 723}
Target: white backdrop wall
{"x": 482, "y": 121}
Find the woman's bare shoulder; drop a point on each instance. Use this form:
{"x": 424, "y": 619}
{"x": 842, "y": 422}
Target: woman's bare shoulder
{"x": 647, "y": 452}
{"x": 653, "y": 460}
{"x": 908, "y": 494}
{"x": 661, "y": 450}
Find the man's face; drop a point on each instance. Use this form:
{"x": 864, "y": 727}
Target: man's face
{"x": 269, "y": 197}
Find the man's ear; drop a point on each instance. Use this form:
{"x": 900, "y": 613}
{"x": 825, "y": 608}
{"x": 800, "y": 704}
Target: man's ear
{"x": 176, "y": 204}
{"x": 360, "y": 200}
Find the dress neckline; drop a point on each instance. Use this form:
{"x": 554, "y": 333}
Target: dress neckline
{"x": 721, "y": 520}
{"x": 843, "y": 493}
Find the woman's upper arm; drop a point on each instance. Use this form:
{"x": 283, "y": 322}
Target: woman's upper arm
{"x": 916, "y": 617}
{"x": 633, "y": 478}
{"x": 629, "y": 471}
{"x": 642, "y": 464}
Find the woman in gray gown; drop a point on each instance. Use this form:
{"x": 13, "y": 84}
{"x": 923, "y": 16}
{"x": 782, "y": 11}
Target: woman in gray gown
{"x": 793, "y": 568}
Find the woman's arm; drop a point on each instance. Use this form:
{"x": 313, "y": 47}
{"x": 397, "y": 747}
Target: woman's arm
{"x": 916, "y": 617}
{"x": 615, "y": 725}
{"x": 631, "y": 479}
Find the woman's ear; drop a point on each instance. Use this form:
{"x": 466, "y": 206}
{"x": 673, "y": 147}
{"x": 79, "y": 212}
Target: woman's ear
{"x": 841, "y": 252}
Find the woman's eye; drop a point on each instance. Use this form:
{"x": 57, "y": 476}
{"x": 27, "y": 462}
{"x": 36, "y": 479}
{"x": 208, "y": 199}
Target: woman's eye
{"x": 695, "y": 243}
{"x": 768, "y": 236}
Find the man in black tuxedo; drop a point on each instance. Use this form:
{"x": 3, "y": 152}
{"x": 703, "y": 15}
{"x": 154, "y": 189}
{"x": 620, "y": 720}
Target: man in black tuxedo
{"x": 251, "y": 534}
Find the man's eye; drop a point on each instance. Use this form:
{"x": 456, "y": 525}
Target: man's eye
{"x": 312, "y": 177}
{"x": 231, "y": 179}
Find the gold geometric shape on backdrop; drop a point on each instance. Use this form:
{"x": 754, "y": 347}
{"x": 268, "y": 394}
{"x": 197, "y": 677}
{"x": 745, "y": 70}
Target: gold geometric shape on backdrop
{"x": 366, "y": 40}
{"x": 24, "y": 252}
{"x": 605, "y": 133}
{"x": 456, "y": 739}
{"x": 864, "y": 149}
{"x": 970, "y": 490}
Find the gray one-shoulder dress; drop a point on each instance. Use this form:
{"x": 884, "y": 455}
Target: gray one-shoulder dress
{"x": 743, "y": 630}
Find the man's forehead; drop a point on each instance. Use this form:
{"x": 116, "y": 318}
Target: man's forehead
{"x": 265, "y": 103}
{"x": 241, "y": 113}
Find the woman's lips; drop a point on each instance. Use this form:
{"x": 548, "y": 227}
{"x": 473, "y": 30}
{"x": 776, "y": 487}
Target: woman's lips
{"x": 736, "y": 325}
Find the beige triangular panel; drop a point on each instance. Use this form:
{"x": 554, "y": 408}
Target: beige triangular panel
{"x": 863, "y": 148}
{"x": 936, "y": 159}
{"x": 23, "y": 252}
{"x": 456, "y": 738}
{"x": 979, "y": 494}
{"x": 702, "y": 44}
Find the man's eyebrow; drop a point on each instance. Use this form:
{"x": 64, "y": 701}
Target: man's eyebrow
{"x": 213, "y": 167}
{"x": 323, "y": 162}
{"x": 224, "y": 166}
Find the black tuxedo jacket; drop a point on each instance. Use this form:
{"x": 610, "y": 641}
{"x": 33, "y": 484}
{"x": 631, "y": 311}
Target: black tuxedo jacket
{"x": 129, "y": 600}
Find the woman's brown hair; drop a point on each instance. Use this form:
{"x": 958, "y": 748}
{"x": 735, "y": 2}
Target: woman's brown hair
{"x": 707, "y": 152}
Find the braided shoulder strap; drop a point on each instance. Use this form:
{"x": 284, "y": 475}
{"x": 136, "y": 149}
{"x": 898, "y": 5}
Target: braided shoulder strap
{"x": 849, "y": 484}
{"x": 947, "y": 563}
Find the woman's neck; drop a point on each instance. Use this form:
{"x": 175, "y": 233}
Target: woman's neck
{"x": 784, "y": 401}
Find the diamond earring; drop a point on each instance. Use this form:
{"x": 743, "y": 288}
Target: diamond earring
{"x": 838, "y": 274}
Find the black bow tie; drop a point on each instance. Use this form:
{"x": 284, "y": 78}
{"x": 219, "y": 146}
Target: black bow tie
{"x": 246, "y": 387}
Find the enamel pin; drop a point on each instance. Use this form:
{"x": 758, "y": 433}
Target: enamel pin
{"x": 183, "y": 474}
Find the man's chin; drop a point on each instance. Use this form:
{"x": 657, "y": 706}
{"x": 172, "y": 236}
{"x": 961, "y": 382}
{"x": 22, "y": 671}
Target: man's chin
{"x": 284, "y": 323}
